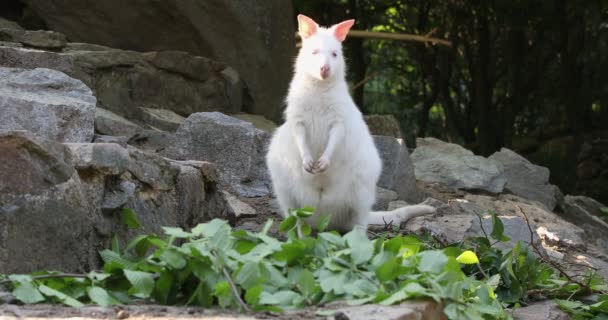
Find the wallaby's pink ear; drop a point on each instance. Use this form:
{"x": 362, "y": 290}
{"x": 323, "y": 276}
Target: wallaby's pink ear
{"x": 341, "y": 29}
{"x": 306, "y": 26}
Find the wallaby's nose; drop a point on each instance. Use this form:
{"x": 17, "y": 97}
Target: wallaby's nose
{"x": 325, "y": 71}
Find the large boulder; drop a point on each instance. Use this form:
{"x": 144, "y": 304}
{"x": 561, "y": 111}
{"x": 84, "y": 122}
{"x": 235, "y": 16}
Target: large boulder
{"x": 37, "y": 39}
{"x": 111, "y": 124}
{"x": 525, "y": 179}
{"x": 236, "y": 146}
{"x": 61, "y": 203}
{"x": 548, "y": 224}
{"x": 255, "y": 37}
{"x": 397, "y": 169}
{"x": 455, "y": 167}
{"x": 45, "y": 219}
{"x": 124, "y": 81}
{"x": 587, "y": 213}
{"x": 46, "y": 102}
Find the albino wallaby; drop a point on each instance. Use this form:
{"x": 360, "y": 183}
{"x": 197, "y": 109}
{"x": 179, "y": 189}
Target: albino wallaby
{"x": 324, "y": 156}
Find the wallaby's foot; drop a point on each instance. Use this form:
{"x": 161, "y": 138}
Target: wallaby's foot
{"x": 308, "y": 164}
{"x": 322, "y": 164}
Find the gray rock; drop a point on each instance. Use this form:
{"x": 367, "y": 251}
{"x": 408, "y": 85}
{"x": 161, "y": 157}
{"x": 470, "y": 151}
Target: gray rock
{"x": 397, "y": 169}
{"x": 37, "y": 39}
{"x": 453, "y": 166}
{"x": 61, "y": 203}
{"x": 121, "y": 140}
{"x": 587, "y": 213}
{"x": 540, "y": 310}
{"x": 234, "y": 145}
{"x": 162, "y": 119}
{"x": 8, "y": 24}
{"x": 460, "y": 219}
{"x": 46, "y": 102}
{"x": 547, "y": 224}
{"x": 111, "y": 124}
{"x": 45, "y": 221}
{"x": 14, "y": 57}
{"x": 151, "y": 140}
{"x": 383, "y": 125}
{"x": 237, "y": 206}
{"x": 383, "y": 198}
{"x": 124, "y": 81}
{"x": 406, "y": 310}
{"x": 257, "y": 121}
{"x": 221, "y": 30}
{"x": 525, "y": 179}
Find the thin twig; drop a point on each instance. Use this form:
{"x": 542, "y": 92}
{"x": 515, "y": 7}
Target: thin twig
{"x": 482, "y": 272}
{"x": 399, "y": 36}
{"x": 235, "y": 291}
{"x": 482, "y": 228}
{"x": 364, "y": 81}
{"x": 396, "y": 36}
{"x": 547, "y": 259}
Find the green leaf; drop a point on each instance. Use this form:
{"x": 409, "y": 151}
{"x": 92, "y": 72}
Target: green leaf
{"x": 267, "y": 226}
{"x": 307, "y": 283}
{"x": 305, "y": 212}
{"x": 498, "y": 228}
{"x": 468, "y": 257}
{"x": 432, "y": 261}
{"x": 223, "y": 294}
{"x": 322, "y": 223}
{"x": 163, "y": 286}
{"x": 288, "y": 224}
{"x": 362, "y": 248}
{"x": 101, "y": 297}
{"x": 394, "y": 298}
{"x": 252, "y": 296}
{"x": 279, "y": 298}
{"x": 115, "y": 244}
{"x": 62, "y": 297}
{"x": 173, "y": 258}
{"x": 142, "y": 283}
{"x": 332, "y": 238}
{"x": 389, "y": 270}
{"x": 210, "y": 228}
{"x": 26, "y": 292}
{"x": 176, "y": 232}
{"x": 114, "y": 260}
{"x": 393, "y": 245}
{"x": 306, "y": 229}
{"x": 129, "y": 218}
{"x": 569, "y": 306}
{"x": 249, "y": 275}
{"x": 96, "y": 276}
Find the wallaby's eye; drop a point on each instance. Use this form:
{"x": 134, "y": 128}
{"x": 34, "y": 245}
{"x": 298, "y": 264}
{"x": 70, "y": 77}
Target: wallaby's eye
{"x": 316, "y": 51}
{"x": 335, "y": 54}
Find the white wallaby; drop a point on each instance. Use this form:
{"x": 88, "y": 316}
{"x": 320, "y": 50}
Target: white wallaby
{"x": 324, "y": 156}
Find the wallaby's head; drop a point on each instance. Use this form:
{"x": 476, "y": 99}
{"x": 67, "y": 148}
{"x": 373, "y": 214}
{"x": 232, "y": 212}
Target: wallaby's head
{"x": 321, "y": 54}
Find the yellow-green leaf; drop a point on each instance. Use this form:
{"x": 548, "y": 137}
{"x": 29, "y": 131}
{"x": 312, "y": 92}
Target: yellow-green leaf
{"x": 468, "y": 257}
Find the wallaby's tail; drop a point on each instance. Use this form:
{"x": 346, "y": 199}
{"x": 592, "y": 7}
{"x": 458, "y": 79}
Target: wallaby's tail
{"x": 400, "y": 215}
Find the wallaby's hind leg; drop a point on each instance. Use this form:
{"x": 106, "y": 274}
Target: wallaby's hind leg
{"x": 285, "y": 198}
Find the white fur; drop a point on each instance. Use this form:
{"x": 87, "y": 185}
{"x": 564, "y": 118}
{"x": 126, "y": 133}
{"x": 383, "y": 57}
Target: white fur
{"x": 324, "y": 156}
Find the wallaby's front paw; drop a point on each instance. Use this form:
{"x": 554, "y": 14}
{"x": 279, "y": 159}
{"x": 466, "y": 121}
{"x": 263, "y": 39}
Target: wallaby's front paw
{"x": 308, "y": 164}
{"x": 322, "y": 164}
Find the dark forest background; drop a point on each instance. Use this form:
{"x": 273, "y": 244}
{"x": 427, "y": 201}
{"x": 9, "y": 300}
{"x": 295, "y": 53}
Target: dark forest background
{"x": 531, "y": 76}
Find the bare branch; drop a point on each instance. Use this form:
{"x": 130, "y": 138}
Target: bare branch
{"x": 398, "y": 36}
